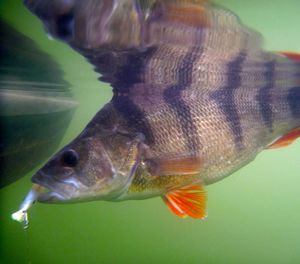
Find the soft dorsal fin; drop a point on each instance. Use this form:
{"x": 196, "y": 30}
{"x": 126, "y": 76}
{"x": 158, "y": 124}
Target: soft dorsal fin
{"x": 187, "y": 201}
{"x": 286, "y": 139}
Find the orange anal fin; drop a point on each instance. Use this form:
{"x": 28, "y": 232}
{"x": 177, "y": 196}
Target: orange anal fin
{"x": 175, "y": 166}
{"x": 291, "y": 55}
{"x": 286, "y": 139}
{"x": 187, "y": 201}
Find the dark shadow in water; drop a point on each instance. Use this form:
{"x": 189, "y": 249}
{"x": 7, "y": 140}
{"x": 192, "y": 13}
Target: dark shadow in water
{"x": 36, "y": 105}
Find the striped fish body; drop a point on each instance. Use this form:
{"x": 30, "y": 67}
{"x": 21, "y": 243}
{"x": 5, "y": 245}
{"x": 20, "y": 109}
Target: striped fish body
{"x": 218, "y": 115}
{"x": 193, "y": 89}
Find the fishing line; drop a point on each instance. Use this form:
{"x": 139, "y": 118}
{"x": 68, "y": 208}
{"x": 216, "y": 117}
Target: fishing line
{"x": 28, "y": 251}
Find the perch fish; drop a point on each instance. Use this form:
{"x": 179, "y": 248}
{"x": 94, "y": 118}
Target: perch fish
{"x": 195, "y": 98}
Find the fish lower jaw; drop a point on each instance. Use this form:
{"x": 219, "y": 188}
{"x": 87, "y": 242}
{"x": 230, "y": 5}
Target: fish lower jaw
{"x": 50, "y": 197}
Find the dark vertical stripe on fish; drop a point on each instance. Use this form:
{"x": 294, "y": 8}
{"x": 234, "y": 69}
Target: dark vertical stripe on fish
{"x": 264, "y": 97}
{"x": 225, "y": 98}
{"x": 172, "y": 95}
{"x": 293, "y": 99}
{"x": 126, "y": 76}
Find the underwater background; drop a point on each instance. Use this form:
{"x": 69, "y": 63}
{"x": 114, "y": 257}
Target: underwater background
{"x": 253, "y": 215}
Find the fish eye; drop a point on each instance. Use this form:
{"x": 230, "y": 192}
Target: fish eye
{"x": 64, "y": 25}
{"x": 70, "y": 158}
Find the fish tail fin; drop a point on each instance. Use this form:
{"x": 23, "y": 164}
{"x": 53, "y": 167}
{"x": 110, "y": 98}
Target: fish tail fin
{"x": 290, "y": 117}
{"x": 293, "y": 96}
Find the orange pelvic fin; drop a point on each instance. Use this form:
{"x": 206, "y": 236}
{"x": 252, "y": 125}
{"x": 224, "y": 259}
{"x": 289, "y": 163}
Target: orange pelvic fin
{"x": 175, "y": 166}
{"x": 286, "y": 139}
{"x": 291, "y": 55}
{"x": 187, "y": 201}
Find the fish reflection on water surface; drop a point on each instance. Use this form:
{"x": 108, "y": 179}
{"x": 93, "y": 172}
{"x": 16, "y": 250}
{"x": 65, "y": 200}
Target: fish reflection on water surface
{"x": 195, "y": 99}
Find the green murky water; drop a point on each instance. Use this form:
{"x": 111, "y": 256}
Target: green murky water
{"x": 254, "y": 215}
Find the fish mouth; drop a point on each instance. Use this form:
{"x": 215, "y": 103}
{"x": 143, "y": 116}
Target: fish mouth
{"x": 54, "y": 192}
{"x": 48, "y": 195}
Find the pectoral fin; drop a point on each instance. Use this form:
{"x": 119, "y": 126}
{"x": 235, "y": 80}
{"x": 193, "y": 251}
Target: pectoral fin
{"x": 189, "y": 14}
{"x": 286, "y": 139}
{"x": 175, "y": 166}
{"x": 187, "y": 201}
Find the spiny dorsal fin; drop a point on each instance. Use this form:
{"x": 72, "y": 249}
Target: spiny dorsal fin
{"x": 187, "y": 201}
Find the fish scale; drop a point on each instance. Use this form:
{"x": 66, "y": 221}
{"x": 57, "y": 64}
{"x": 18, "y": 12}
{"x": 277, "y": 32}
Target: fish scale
{"x": 195, "y": 99}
